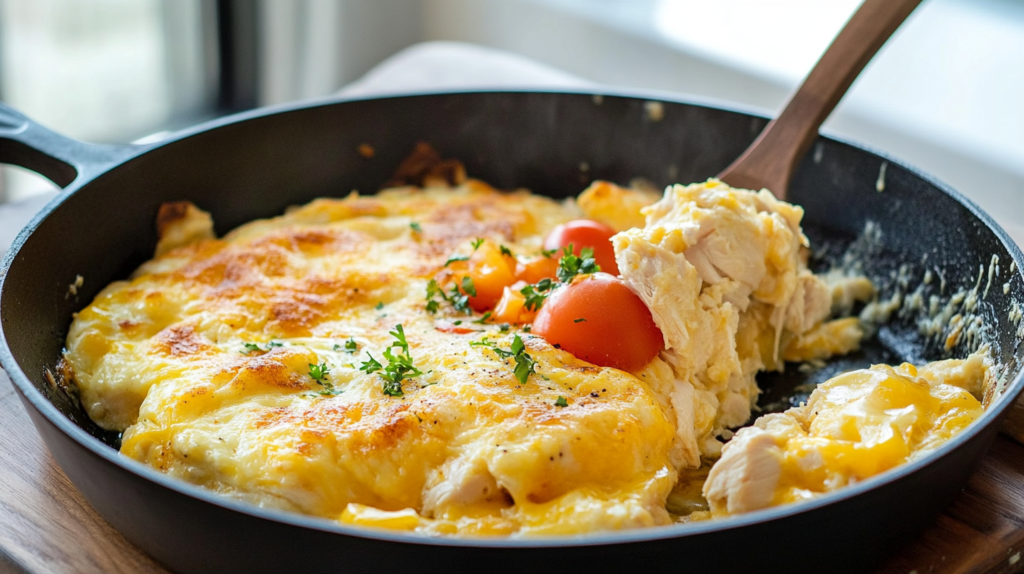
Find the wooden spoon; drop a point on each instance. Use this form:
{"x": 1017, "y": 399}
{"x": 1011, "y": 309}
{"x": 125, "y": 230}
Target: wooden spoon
{"x": 771, "y": 160}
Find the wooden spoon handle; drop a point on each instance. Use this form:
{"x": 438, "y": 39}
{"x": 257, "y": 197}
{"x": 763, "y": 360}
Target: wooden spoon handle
{"x": 771, "y": 160}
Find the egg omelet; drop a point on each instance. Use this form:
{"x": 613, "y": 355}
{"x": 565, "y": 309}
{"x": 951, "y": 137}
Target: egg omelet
{"x": 316, "y": 362}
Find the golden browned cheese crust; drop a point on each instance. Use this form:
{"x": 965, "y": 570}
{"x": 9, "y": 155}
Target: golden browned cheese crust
{"x": 468, "y": 449}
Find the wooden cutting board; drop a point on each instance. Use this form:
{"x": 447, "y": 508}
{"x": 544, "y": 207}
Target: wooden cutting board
{"x": 46, "y": 526}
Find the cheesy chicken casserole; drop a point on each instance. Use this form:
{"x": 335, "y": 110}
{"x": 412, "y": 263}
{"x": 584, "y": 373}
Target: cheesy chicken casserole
{"x": 445, "y": 358}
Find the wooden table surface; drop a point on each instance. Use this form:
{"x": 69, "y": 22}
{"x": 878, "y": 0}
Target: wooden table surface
{"x": 46, "y": 526}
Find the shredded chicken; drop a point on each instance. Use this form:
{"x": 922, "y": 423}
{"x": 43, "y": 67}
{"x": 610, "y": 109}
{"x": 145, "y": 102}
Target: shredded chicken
{"x": 723, "y": 272}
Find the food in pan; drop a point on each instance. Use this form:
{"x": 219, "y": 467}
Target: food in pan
{"x": 446, "y": 358}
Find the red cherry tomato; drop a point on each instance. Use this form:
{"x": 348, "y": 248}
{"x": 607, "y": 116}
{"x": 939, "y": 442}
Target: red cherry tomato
{"x": 490, "y": 272}
{"x": 582, "y": 233}
{"x": 534, "y": 269}
{"x": 598, "y": 319}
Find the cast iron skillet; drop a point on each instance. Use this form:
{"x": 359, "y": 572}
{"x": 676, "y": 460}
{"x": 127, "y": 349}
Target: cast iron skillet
{"x": 255, "y": 164}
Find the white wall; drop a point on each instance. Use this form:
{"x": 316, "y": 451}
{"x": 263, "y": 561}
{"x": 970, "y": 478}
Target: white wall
{"x": 945, "y": 94}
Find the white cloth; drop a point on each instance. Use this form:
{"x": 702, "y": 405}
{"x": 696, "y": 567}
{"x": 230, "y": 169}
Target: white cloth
{"x": 458, "y": 66}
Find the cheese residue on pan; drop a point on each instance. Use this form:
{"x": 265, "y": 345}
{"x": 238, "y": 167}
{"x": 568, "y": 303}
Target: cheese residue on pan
{"x": 304, "y": 362}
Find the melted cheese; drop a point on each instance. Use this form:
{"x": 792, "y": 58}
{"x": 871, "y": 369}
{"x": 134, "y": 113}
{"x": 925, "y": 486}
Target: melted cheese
{"x": 467, "y": 449}
{"x": 853, "y": 427}
{"x": 203, "y": 358}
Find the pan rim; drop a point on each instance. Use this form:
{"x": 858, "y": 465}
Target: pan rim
{"x": 27, "y": 390}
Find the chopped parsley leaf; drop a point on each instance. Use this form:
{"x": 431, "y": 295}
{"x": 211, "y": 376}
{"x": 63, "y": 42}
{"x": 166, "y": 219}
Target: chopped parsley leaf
{"x": 319, "y": 372}
{"x": 525, "y": 365}
{"x": 580, "y": 320}
{"x": 571, "y": 265}
{"x": 456, "y": 298}
{"x": 477, "y": 243}
{"x": 506, "y": 251}
{"x": 561, "y": 402}
{"x": 351, "y": 345}
{"x": 524, "y": 362}
{"x": 392, "y": 388}
{"x": 253, "y": 347}
{"x": 319, "y": 375}
{"x": 400, "y": 365}
{"x": 380, "y": 305}
{"x": 468, "y": 287}
{"x": 547, "y": 253}
{"x": 483, "y": 319}
{"x": 416, "y": 227}
{"x": 536, "y": 294}
{"x": 432, "y": 290}
{"x": 459, "y": 301}
{"x": 371, "y": 366}
{"x": 455, "y": 258}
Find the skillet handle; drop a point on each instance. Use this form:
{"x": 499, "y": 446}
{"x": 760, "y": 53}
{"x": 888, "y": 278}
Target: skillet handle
{"x": 60, "y": 159}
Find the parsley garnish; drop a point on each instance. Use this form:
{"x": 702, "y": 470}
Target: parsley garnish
{"x": 432, "y": 290}
{"x": 319, "y": 375}
{"x": 477, "y": 243}
{"x": 506, "y": 251}
{"x": 547, "y": 253}
{"x": 457, "y": 299}
{"x": 468, "y": 287}
{"x": 416, "y": 227}
{"x": 524, "y": 362}
{"x": 570, "y": 265}
{"x": 399, "y": 367}
{"x": 580, "y": 320}
{"x": 380, "y": 305}
{"x": 483, "y": 319}
{"x": 350, "y": 346}
{"x": 371, "y": 366}
{"x": 525, "y": 365}
{"x": 319, "y": 372}
{"x": 536, "y": 294}
{"x": 455, "y": 258}
{"x": 253, "y": 347}
{"x": 561, "y": 402}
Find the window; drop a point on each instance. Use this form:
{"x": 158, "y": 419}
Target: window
{"x": 105, "y": 70}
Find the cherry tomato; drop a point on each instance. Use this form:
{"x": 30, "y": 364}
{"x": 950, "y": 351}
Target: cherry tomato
{"x": 490, "y": 272}
{"x": 533, "y": 269}
{"x": 512, "y": 307}
{"x": 598, "y": 319}
{"x": 582, "y": 233}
